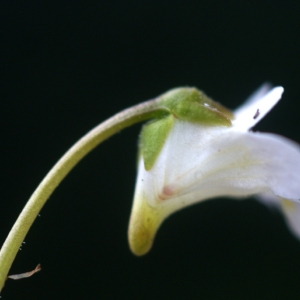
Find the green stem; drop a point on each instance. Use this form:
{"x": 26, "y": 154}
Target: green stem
{"x": 93, "y": 138}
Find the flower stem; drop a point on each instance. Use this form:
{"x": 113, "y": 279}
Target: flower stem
{"x": 87, "y": 143}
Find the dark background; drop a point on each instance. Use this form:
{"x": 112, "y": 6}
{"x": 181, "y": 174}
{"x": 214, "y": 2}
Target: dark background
{"x": 68, "y": 65}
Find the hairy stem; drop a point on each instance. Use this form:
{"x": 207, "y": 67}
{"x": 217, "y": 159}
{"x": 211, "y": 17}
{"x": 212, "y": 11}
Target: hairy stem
{"x": 87, "y": 143}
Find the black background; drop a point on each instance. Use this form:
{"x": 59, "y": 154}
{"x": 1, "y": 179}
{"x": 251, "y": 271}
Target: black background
{"x": 68, "y": 65}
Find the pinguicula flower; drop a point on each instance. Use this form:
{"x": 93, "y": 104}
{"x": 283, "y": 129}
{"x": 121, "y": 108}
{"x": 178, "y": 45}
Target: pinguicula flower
{"x": 199, "y": 150}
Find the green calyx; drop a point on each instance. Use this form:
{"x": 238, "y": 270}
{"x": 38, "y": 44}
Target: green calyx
{"x": 192, "y": 105}
{"x": 186, "y": 104}
{"x": 153, "y": 137}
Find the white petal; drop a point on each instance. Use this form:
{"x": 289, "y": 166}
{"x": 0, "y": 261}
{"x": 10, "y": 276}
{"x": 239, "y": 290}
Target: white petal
{"x": 199, "y": 163}
{"x": 291, "y": 211}
{"x": 257, "y": 95}
{"x": 256, "y": 107}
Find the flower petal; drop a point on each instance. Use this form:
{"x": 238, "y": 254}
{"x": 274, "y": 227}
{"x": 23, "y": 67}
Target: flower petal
{"x": 199, "y": 163}
{"x": 258, "y": 94}
{"x": 291, "y": 211}
{"x": 256, "y": 107}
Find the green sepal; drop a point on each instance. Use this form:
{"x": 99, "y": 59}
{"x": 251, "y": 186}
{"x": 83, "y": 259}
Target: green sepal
{"x": 153, "y": 137}
{"x": 185, "y": 104}
{"x": 192, "y": 105}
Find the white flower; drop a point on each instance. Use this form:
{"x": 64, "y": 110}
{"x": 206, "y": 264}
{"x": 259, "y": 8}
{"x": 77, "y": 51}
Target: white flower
{"x": 199, "y": 161}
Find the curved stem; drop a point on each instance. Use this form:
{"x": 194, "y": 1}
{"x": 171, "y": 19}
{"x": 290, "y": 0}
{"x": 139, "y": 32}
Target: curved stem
{"x": 88, "y": 142}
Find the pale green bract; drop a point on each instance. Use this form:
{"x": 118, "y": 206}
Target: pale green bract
{"x": 199, "y": 150}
